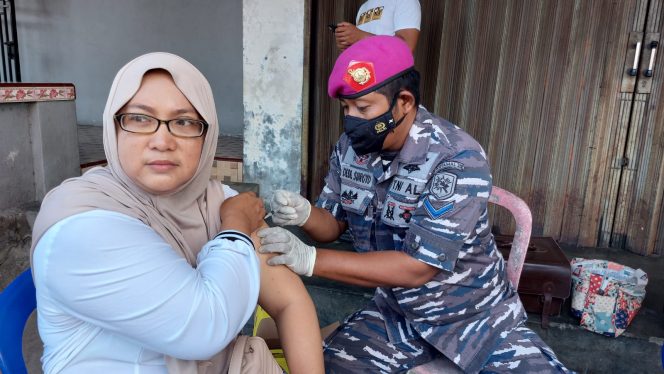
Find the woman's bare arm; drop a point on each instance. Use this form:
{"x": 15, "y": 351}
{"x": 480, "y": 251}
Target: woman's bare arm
{"x": 284, "y": 297}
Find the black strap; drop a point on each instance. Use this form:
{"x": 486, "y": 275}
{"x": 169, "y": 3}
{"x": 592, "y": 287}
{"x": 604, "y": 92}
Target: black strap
{"x": 234, "y": 235}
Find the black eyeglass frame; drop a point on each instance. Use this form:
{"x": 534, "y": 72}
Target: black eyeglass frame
{"x": 118, "y": 119}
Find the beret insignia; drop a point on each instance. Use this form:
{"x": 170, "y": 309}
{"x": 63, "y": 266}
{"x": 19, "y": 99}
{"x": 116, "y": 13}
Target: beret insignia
{"x": 360, "y": 75}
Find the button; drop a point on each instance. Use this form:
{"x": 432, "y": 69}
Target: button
{"x": 442, "y": 257}
{"x": 414, "y": 245}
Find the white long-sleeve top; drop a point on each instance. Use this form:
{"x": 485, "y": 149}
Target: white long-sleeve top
{"x": 114, "y": 297}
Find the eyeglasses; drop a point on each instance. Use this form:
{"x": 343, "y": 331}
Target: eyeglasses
{"x": 145, "y": 124}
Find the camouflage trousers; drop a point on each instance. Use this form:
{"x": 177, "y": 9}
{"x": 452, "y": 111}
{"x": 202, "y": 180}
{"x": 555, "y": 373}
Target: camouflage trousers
{"x": 361, "y": 345}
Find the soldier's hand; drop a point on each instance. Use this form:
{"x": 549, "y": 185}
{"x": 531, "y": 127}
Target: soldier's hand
{"x": 289, "y": 208}
{"x": 293, "y": 253}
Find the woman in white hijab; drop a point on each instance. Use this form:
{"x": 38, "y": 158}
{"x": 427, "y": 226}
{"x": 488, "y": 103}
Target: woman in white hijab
{"x": 146, "y": 264}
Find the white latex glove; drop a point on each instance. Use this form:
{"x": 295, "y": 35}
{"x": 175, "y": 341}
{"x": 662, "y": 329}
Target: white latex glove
{"x": 289, "y": 208}
{"x": 298, "y": 256}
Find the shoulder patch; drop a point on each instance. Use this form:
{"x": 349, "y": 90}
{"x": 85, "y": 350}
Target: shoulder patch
{"x": 437, "y": 212}
{"x": 447, "y": 165}
{"x": 443, "y": 185}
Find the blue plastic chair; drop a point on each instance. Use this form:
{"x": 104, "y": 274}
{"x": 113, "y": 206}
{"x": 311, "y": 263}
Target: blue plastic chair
{"x": 17, "y": 302}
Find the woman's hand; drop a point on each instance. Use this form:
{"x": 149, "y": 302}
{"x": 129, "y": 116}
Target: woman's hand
{"x": 244, "y": 212}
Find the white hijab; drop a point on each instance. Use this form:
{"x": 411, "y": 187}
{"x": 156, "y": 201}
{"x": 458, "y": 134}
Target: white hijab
{"x": 186, "y": 218}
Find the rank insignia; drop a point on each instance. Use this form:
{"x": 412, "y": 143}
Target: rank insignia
{"x": 443, "y": 185}
{"x": 437, "y": 212}
{"x": 360, "y": 75}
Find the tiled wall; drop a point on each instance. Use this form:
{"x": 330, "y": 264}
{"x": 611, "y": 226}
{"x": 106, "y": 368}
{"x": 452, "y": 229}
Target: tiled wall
{"x": 227, "y": 171}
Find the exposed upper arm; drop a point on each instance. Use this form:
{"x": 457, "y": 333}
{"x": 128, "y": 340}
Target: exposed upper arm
{"x": 410, "y": 36}
{"x": 280, "y": 286}
{"x": 284, "y": 297}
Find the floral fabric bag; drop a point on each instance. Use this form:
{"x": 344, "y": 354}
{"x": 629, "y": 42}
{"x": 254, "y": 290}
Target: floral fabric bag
{"x": 606, "y": 295}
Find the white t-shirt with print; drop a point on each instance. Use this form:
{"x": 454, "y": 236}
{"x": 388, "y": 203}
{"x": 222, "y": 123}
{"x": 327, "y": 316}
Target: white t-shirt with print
{"x": 385, "y": 17}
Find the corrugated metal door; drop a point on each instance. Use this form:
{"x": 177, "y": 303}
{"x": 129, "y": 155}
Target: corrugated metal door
{"x": 632, "y": 215}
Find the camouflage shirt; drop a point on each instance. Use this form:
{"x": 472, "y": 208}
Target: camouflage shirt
{"x": 430, "y": 201}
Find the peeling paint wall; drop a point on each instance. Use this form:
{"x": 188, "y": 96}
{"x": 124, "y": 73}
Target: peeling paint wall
{"x": 273, "y": 73}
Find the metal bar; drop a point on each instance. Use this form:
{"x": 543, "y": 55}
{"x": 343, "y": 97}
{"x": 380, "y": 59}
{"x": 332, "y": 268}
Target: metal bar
{"x": 2, "y": 41}
{"x": 635, "y": 66}
{"x": 6, "y": 42}
{"x": 17, "y": 65}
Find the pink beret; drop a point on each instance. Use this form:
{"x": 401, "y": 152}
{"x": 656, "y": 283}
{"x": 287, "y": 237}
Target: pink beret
{"x": 367, "y": 65}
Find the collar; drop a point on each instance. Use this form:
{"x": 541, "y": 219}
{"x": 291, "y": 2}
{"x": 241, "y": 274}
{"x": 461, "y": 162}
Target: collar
{"x": 416, "y": 146}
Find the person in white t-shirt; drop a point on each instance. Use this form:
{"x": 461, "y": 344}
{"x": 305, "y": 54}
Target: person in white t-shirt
{"x": 399, "y": 18}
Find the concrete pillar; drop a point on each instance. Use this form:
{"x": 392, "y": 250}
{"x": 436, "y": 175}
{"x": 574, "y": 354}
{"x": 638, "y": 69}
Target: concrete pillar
{"x": 38, "y": 141}
{"x": 54, "y": 144}
{"x": 17, "y": 184}
{"x": 273, "y": 78}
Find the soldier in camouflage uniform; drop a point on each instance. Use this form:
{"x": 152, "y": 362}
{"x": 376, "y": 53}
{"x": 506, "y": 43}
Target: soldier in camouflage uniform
{"x": 414, "y": 194}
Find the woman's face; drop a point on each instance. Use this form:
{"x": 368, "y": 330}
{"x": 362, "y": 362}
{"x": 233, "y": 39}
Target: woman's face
{"x": 159, "y": 162}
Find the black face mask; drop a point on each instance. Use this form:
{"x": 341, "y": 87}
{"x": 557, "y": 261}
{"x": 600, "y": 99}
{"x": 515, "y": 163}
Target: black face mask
{"x": 368, "y": 135}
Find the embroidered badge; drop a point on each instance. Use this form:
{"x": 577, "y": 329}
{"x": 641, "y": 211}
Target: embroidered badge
{"x": 397, "y": 213}
{"x": 360, "y": 75}
{"x": 406, "y": 214}
{"x": 361, "y": 160}
{"x": 380, "y": 127}
{"x": 434, "y": 212}
{"x": 443, "y": 185}
{"x": 447, "y": 165}
{"x": 348, "y": 197}
{"x": 359, "y": 177}
{"x": 406, "y": 187}
{"x": 411, "y": 168}
{"x": 389, "y": 212}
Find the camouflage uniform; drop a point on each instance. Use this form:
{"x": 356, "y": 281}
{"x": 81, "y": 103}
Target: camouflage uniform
{"x": 430, "y": 201}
